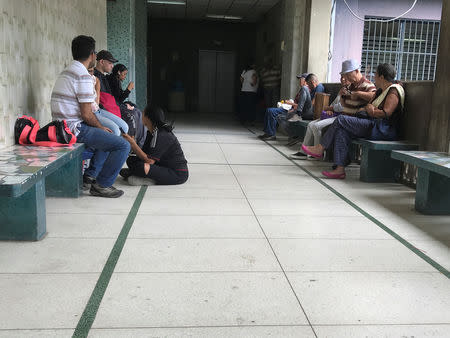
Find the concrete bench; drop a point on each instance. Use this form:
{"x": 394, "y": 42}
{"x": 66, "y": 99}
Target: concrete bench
{"x": 27, "y": 175}
{"x": 377, "y": 165}
{"x": 297, "y": 129}
{"x": 433, "y": 180}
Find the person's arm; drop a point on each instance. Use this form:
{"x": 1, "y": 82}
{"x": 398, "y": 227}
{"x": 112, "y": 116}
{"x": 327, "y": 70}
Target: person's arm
{"x": 137, "y": 150}
{"x": 97, "y": 90}
{"x": 254, "y": 79}
{"x": 89, "y": 117}
{"x": 390, "y": 105}
{"x": 366, "y": 96}
{"x": 301, "y": 101}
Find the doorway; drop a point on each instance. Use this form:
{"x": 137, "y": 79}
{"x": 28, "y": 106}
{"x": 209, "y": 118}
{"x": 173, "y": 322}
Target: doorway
{"x": 216, "y": 79}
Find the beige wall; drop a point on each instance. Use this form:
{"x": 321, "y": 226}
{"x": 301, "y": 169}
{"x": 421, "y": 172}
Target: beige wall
{"x": 319, "y": 30}
{"x": 35, "y": 39}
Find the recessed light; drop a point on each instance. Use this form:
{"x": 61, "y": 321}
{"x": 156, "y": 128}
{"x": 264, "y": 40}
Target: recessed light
{"x": 167, "y": 2}
{"x": 224, "y": 17}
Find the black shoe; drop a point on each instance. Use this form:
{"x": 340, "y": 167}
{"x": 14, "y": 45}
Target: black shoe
{"x": 125, "y": 173}
{"x": 87, "y": 182}
{"x": 270, "y": 138}
{"x": 110, "y": 192}
{"x": 298, "y": 156}
{"x": 263, "y": 136}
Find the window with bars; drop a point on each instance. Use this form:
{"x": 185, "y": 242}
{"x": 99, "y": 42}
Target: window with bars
{"x": 410, "y": 45}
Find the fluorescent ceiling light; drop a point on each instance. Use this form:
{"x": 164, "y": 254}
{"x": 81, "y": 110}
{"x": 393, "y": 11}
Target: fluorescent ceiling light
{"x": 225, "y": 17}
{"x": 167, "y": 2}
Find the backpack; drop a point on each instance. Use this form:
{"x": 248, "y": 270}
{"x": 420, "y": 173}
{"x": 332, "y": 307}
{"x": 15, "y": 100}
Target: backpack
{"x": 54, "y": 134}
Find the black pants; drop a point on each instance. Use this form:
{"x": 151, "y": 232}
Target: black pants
{"x": 161, "y": 175}
{"x": 247, "y": 107}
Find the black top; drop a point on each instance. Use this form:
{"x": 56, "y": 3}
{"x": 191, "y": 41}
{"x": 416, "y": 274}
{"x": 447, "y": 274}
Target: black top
{"x": 104, "y": 85}
{"x": 167, "y": 151}
{"x": 116, "y": 89}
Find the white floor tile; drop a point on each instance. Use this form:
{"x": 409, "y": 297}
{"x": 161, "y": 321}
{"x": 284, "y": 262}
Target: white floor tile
{"x": 360, "y": 298}
{"x": 191, "y": 255}
{"x": 34, "y": 301}
{"x": 207, "y": 332}
{"x": 436, "y": 250}
{"x": 347, "y": 255}
{"x": 299, "y": 226}
{"x": 84, "y": 225}
{"x": 252, "y": 154}
{"x": 385, "y": 331}
{"x": 195, "y": 206}
{"x": 150, "y": 226}
{"x": 203, "y": 299}
{"x": 203, "y": 153}
{"x": 55, "y": 255}
{"x": 90, "y": 205}
{"x": 36, "y": 333}
{"x": 269, "y": 207}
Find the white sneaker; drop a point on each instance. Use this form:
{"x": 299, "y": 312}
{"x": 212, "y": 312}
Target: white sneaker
{"x": 295, "y": 118}
{"x": 136, "y": 180}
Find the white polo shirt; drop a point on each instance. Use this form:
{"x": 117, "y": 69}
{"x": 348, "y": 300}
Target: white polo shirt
{"x": 73, "y": 86}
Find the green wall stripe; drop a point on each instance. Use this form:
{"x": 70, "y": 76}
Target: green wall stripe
{"x": 419, "y": 253}
{"x": 90, "y": 311}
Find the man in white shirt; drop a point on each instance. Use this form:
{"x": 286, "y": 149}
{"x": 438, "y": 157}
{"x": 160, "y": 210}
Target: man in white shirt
{"x": 71, "y": 100}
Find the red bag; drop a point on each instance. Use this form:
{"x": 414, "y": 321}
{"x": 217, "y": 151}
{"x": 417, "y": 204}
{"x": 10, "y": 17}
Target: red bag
{"x": 54, "y": 134}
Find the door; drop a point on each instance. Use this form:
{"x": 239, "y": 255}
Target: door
{"x": 216, "y": 81}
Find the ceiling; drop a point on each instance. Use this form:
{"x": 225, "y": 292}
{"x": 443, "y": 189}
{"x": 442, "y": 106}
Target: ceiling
{"x": 249, "y": 10}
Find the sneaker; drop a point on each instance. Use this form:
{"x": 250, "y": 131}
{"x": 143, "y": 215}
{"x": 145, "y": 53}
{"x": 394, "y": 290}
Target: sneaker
{"x": 136, "y": 180}
{"x": 295, "y": 118}
{"x": 125, "y": 173}
{"x": 87, "y": 182}
{"x": 298, "y": 156}
{"x": 110, "y": 192}
{"x": 270, "y": 138}
{"x": 263, "y": 136}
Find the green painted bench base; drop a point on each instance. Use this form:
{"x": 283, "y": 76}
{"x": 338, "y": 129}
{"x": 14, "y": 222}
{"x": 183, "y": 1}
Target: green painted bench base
{"x": 22, "y": 204}
{"x": 297, "y": 129}
{"x": 376, "y": 162}
{"x": 23, "y": 217}
{"x": 433, "y": 180}
{"x": 432, "y": 193}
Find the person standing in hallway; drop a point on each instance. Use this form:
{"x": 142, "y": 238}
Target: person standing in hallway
{"x": 71, "y": 100}
{"x": 248, "y": 95}
{"x": 271, "y": 80}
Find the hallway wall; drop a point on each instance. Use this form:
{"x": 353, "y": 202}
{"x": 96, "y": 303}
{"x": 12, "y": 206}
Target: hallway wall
{"x": 35, "y": 41}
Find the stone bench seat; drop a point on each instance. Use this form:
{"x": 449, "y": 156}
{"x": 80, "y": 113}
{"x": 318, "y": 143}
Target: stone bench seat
{"x": 377, "y": 165}
{"x": 27, "y": 175}
{"x": 433, "y": 180}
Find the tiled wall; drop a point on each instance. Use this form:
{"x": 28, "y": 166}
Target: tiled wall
{"x": 35, "y": 40}
{"x": 127, "y": 41}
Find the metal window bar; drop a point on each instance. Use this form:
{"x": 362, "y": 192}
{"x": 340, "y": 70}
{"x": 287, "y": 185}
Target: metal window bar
{"x": 411, "y": 46}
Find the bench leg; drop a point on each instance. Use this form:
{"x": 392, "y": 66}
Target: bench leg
{"x": 23, "y": 218}
{"x": 67, "y": 181}
{"x": 378, "y": 166}
{"x": 432, "y": 193}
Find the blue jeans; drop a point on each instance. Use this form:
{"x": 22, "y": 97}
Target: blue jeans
{"x": 110, "y": 153}
{"x": 270, "y": 120}
{"x": 111, "y": 121}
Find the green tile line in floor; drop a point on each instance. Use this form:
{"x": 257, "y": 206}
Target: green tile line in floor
{"x": 90, "y": 311}
{"x": 411, "y": 247}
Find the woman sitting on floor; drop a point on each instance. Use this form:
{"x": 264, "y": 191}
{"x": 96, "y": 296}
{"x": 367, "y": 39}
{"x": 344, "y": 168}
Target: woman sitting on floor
{"x": 379, "y": 120}
{"x": 161, "y": 160}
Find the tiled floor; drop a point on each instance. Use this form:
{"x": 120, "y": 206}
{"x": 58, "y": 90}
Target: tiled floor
{"x": 251, "y": 246}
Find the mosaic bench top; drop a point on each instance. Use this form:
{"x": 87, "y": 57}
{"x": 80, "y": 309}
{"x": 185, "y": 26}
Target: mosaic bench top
{"x": 22, "y": 166}
{"x": 433, "y": 161}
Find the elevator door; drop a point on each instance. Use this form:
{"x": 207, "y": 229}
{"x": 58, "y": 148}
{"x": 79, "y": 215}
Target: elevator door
{"x": 216, "y": 81}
